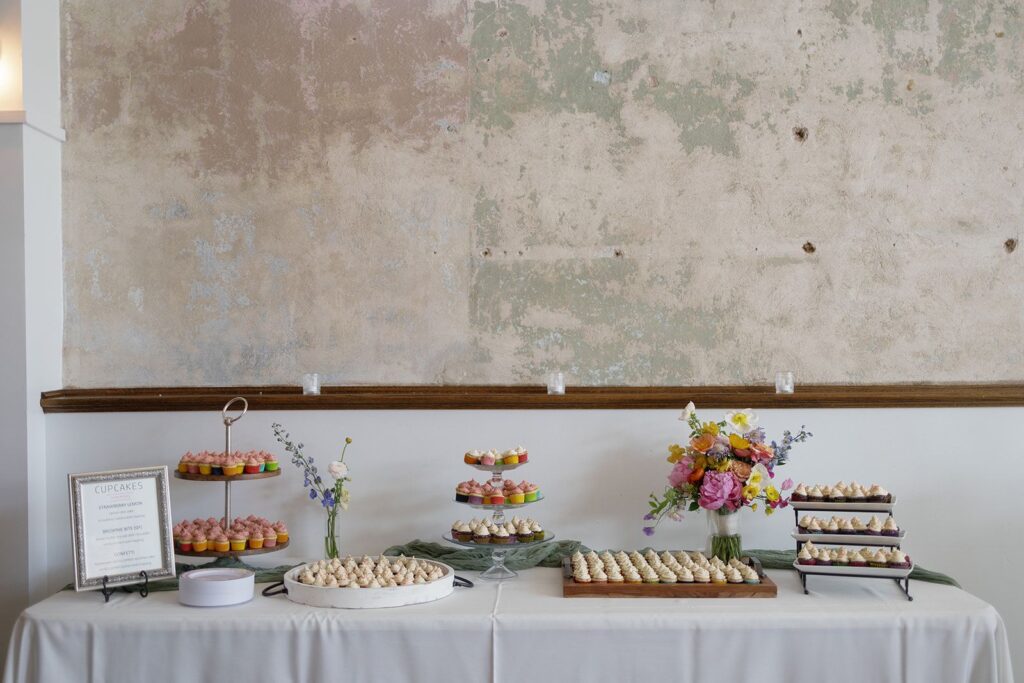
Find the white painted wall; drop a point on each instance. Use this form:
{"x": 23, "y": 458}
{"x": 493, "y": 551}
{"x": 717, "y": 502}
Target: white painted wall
{"x": 955, "y": 473}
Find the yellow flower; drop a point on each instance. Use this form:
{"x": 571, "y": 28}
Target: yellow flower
{"x": 710, "y": 428}
{"x": 769, "y": 511}
{"x": 724, "y": 465}
{"x": 738, "y": 442}
{"x": 676, "y": 453}
{"x": 750, "y": 491}
{"x": 754, "y": 478}
{"x": 771, "y": 493}
{"x": 753, "y": 506}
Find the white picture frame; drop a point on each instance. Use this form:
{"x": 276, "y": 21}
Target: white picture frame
{"x": 121, "y": 527}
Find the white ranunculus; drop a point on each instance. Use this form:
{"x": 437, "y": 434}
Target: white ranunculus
{"x": 337, "y": 469}
{"x": 688, "y": 412}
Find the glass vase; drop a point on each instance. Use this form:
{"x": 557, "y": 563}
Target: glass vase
{"x": 724, "y": 538}
{"x": 331, "y": 539}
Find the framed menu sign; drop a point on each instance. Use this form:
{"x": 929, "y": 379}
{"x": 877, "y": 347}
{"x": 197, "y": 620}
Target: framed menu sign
{"x": 121, "y": 527}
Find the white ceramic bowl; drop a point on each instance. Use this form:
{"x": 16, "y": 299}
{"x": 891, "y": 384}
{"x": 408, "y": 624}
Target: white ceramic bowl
{"x": 365, "y": 598}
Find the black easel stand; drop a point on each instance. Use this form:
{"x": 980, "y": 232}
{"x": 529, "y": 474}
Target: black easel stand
{"x": 107, "y": 591}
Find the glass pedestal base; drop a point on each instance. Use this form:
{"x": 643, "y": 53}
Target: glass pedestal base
{"x": 498, "y": 571}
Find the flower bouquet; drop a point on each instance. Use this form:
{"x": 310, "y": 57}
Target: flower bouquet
{"x": 724, "y": 467}
{"x": 331, "y": 497}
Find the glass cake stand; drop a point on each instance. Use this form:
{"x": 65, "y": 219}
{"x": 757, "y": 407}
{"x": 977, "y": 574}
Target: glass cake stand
{"x": 498, "y": 570}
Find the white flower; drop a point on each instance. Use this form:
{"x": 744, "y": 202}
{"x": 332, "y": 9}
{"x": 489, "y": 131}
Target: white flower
{"x": 758, "y": 475}
{"x": 688, "y": 412}
{"x": 741, "y": 420}
{"x": 337, "y": 469}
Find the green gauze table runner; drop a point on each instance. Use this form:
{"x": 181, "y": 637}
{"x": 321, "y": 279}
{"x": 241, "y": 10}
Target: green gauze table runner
{"x": 479, "y": 559}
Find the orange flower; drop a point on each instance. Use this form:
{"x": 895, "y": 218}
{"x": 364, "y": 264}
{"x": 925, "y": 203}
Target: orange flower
{"x": 741, "y": 469}
{"x": 696, "y": 475}
{"x": 702, "y": 443}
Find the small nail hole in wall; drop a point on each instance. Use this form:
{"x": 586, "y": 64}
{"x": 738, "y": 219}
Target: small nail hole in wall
{"x": 800, "y": 134}
{"x": 485, "y": 253}
{"x": 1010, "y": 245}
{"x": 809, "y": 248}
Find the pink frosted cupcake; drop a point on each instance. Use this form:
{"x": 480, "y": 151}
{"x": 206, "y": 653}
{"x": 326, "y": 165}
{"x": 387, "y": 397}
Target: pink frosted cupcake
{"x": 487, "y": 459}
{"x": 282, "y": 532}
{"x": 185, "y": 542}
{"x": 236, "y": 541}
{"x": 476, "y": 495}
{"x": 256, "y": 539}
{"x": 269, "y": 537}
{"x": 487, "y": 494}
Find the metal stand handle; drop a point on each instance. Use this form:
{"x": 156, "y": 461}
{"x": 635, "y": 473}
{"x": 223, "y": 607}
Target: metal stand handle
{"x": 228, "y": 421}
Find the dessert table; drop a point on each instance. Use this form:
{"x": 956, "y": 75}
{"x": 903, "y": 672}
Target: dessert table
{"x": 846, "y": 630}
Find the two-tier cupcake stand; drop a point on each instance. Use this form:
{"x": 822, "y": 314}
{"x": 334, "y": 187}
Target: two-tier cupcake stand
{"x": 228, "y": 480}
{"x": 498, "y": 570}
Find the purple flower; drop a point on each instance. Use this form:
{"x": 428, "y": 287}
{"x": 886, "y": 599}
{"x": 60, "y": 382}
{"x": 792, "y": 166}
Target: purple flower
{"x": 788, "y": 484}
{"x": 648, "y": 517}
{"x": 648, "y": 531}
{"x": 312, "y": 494}
{"x": 720, "y": 489}
{"x": 328, "y": 500}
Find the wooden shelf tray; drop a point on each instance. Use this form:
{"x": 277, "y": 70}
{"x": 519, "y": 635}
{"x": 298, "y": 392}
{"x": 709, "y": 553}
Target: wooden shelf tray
{"x": 226, "y": 477}
{"x": 571, "y": 589}
{"x": 234, "y": 553}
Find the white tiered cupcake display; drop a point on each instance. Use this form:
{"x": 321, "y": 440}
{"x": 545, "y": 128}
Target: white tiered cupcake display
{"x": 827, "y": 545}
{"x": 496, "y": 495}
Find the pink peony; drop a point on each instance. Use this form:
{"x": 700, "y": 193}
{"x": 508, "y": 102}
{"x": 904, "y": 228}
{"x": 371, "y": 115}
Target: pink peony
{"x": 721, "y": 489}
{"x": 681, "y": 472}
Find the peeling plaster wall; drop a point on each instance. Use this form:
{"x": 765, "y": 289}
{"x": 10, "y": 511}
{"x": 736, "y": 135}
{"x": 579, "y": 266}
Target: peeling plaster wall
{"x": 653, "y": 192}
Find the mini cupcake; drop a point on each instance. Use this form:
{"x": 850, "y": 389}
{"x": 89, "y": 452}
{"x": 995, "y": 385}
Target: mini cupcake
{"x": 522, "y": 454}
{"x": 889, "y": 528}
{"x": 717, "y": 576}
{"x": 487, "y": 459}
{"x": 498, "y": 498}
{"x": 733, "y": 575}
{"x": 538, "y": 531}
{"x": 878, "y": 494}
{"x": 846, "y": 527}
{"x": 282, "y": 532}
{"x": 880, "y": 559}
{"x": 463, "y": 532}
{"x": 476, "y": 495}
{"x": 183, "y": 463}
{"x": 510, "y": 457}
{"x": 898, "y": 559}
{"x": 874, "y": 527}
{"x": 192, "y": 465}
{"x": 856, "y": 494}
{"x": 516, "y": 496}
{"x": 472, "y": 457}
{"x": 271, "y": 464}
{"x": 185, "y": 542}
{"x": 523, "y": 533}
{"x": 256, "y": 539}
{"x": 815, "y": 495}
{"x": 252, "y": 466}
{"x": 488, "y": 493}
{"x": 481, "y": 534}
{"x": 749, "y": 575}
{"x": 199, "y": 542}
{"x": 269, "y": 537}
{"x": 462, "y": 492}
{"x": 531, "y": 492}
{"x": 814, "y": 527}
{"x": 204, "y": 465}
{"x": 221, "y": 543}
{"x": 804, "y": 522}
{"x": 858, "y": 526}
{"x": 831, "y": 527}
{"x": 216, "y": 466}
{"x": 857, "y": 559}
{"x": 237, "y": 541}
{"x": 799, "y": 494}
{"x": 501, "y": 537}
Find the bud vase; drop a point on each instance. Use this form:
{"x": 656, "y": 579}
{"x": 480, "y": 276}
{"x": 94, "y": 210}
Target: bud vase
{"x": 331, "y": 539}
{"x": 724, "y": 538}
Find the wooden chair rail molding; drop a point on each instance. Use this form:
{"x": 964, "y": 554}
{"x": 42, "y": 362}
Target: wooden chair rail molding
{"x": 432, "y": 397}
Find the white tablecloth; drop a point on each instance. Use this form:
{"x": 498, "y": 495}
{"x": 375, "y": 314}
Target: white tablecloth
{"x": 846, "y": 630}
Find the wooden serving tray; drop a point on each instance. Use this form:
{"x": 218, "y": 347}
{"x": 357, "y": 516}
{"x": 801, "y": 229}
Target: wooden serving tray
{"x": 233, "y": 553}
{"x": 226, "y": 477}
{"x": 571, "y": 589}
